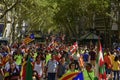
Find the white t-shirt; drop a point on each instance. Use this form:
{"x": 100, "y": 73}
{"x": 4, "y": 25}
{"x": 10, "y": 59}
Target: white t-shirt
{"x": 52, "y": 66}
{"x": 38, "y": 68}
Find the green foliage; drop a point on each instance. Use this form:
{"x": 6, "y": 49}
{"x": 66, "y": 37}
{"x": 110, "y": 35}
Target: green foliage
{"x": 71, "y": 12}
{"x": 39, "y": 13}
{"x": 68, "y": 16}
{"x": 98, "y": 6}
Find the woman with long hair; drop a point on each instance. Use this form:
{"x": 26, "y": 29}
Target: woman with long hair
{"x": 116, "y": 68}
{"x": 38, "y": 66}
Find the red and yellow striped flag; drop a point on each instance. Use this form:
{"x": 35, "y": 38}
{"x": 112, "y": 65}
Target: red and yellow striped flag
{"x": 27, "y": 40}
{"x": 69, "y": 76}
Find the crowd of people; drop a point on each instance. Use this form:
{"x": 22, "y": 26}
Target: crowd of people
{"x": 52, "y": 62}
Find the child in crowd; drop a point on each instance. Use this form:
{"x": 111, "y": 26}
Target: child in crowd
{"x": 88, "y": 72}
{"x": 72, "y": 68}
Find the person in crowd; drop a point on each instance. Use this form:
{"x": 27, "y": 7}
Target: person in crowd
{"x": 76, "y": 59}
{"x": 116, "y": 68}
{"x": 23, "y": 68}
{"x": 35, "y": 76}
{"x": 86, "y": 56}
{"x": 52, "y": 68}
{"x": 92, "y": 56}
{"x": 62, "y": 67}
{"x": 41, "y": 53}
{"x": 34, "y": 54}
{"x": 112, "y": 56}
{"x": 7, "y": 65}
{"x": 72, "y": 68}
{"x": 108, "y": 62}
{"x": 48, "y": 56}
{"x": 13, "y": 72}
{"x": 39, "y": 66}
{"x": 88, "y": 72}
{"x": 58, "y": 56}
{"x": 18, "y": 58}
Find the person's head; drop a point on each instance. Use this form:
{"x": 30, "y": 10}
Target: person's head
{"x": 86, "y": 51}
{"x": 88, "y": 66}
{"x": 35, "y": 73}
{"x": 38, "y": 58}
{"x": 53, "y": 56}
{"x": 12, "y": 65}
{"x": 18, "y": 51}
{"x": 92, "y": 49}
{"x": 111, "y": 52}
{"x": 72, "y": 66}
{"x": 25, "y": 58}
{"x": 62, "y": 59}
{"x": 108, "y": 53}
{"x": 116, "y": 58}
{"x": 11, "y": 59}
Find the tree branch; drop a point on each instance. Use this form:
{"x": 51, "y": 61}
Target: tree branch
{"x": 5, "y": 12}
{"x": 4, "y": 3}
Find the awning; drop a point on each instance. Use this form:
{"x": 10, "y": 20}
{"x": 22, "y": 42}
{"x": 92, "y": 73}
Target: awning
{"x": 89, "y": 36}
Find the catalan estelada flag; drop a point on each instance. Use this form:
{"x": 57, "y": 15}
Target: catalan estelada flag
{"x": 28, "y": 39}
{"x": 73, "y": 76}
{"x": 79, "y": 77}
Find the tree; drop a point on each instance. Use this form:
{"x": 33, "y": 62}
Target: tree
{"x": 73, "y": 13}
{"x": 39, "y": 14}
{"x": 70, "y": 17}
{"x": 8, "y": 6}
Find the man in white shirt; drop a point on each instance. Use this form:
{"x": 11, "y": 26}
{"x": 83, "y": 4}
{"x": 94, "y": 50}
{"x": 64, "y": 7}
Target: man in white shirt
{"x": 52, "y": 66}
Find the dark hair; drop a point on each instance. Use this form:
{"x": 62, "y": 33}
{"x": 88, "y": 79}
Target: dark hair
{"x": 36, "y": 76}
{"x": 37, "y": 57}
{"x": 53, "y": 54}
{"x": 116, "y": 58}
{"x": 89, "y": 64}
{"x": 71, "y": 64}
{"x": 26, "y": 57}
{"x": 35, "y": 72}
{"x": 62, "y": 57}
{"x": 111, "y": 52}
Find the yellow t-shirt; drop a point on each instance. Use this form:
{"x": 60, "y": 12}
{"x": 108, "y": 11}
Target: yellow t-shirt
{"x": 116, "y": 65}
{"x": 112, "y": 58}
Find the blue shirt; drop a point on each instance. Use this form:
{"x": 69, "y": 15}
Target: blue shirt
{"x": 85, "y": 57}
